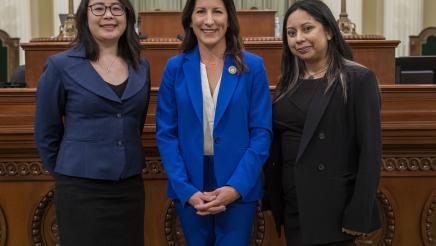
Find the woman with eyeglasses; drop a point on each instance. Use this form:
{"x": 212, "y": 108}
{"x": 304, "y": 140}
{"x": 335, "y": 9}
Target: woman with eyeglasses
{"x": 91, "y": 106}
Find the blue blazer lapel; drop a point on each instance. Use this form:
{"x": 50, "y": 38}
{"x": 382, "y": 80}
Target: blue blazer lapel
{"x": 314, "y": 115}
{"x": 85, "y": 75}
{"x": 191, "y": 70}
{"x": 136, "y": 81}
{"x": 227, "y": 87}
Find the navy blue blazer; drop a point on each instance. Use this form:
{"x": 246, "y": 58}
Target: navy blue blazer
{"x": 82, "y": 128}
{"x": 242, "y": 127}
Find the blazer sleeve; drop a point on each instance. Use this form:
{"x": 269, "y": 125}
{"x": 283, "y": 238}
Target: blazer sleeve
{"x": 358, "y": 213}
{"x": 167, "y": 136}
{"x": 250, "y": 166}
{"x": 148, "y": 84}
{"x": 50, "y": 102}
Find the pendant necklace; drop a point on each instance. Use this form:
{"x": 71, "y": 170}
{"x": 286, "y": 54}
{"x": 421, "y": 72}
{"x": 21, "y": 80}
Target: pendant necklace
{"x": 313, "y": 75}
{"x": 108, "y": 68}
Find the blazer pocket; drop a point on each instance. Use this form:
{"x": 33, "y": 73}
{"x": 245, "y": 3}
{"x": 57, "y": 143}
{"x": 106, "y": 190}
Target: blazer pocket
{"x": 345, "y": 178}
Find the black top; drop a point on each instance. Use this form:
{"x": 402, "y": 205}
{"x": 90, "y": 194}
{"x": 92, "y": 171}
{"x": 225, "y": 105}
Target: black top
{"x": 289, "y": 115}
{"x": 119, "y": 89}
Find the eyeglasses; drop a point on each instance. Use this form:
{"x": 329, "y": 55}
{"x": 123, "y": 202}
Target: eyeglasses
{"x": 99, "y": 9}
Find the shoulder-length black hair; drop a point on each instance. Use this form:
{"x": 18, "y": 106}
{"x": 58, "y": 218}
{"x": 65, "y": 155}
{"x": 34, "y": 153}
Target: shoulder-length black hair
{"x": 234, "y": 44}
{"x": 338, "y": 51}
{"x": 128, "y": 45}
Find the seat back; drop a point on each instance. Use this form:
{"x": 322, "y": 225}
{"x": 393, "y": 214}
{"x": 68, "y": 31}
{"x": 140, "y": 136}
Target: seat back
{"x": 9, "y": 55}
{"x": 423, "y": 44}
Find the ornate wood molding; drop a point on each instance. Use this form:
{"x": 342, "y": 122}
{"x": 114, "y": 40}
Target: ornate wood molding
{"x": 155, "y": 169}
{"x": 173, "y": 229}
{"x": 259, "y": 227}
{"x": 44, "y": 227}
{"x": 385, "y": 235}
{"x": 22, "y": 169}
{"x": 410, "y": 164}
{"x": 428, "y": 222}
{"x": 389, "y": 214}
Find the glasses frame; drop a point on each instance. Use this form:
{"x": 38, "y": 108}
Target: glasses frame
{"x": 106, "y": 8}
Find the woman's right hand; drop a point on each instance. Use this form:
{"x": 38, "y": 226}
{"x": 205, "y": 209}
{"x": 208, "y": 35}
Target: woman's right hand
{"x": 199, "y": 199}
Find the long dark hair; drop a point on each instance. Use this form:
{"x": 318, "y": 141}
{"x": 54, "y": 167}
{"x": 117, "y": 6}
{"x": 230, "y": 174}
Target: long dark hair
{"x": 128, "y": 45}
{"x": 234, "y": 44}
{"x": 338, "y": 51}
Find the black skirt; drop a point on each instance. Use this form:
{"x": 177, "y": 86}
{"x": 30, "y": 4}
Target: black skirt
{"x": 99, "y": 212}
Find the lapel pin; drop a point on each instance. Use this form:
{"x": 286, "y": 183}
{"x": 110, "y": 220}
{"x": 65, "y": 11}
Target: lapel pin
{"x": 232, "y": 69}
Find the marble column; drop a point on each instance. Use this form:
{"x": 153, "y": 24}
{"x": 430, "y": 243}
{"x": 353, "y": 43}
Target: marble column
{"x": 401, "y": 19}
{"x": 15, "y": 20}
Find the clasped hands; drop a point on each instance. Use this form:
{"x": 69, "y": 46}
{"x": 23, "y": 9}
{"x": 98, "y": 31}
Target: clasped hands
{"x": 213, "y": 202}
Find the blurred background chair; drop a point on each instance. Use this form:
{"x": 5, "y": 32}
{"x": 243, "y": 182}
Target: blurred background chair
{"x": 423, "y": 44}
{"x": 9, "y": 55}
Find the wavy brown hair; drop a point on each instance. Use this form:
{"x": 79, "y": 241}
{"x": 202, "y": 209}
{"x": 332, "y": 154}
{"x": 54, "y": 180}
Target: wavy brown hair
{"x": 234, "y": 45}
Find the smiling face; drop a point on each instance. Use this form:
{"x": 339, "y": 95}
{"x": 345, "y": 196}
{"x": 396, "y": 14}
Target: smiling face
{"x": 307, "y": 38}
{"x": 210, "y": 22}
{"x": 107, "y": 28}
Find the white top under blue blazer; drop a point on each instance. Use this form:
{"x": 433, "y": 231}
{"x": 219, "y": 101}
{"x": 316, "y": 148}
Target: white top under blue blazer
{"x": 241, "y": 133}
{"x": 82, "y": 127}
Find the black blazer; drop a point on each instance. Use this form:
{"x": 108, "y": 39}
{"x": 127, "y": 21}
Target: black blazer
{"x": 338, "y": 162}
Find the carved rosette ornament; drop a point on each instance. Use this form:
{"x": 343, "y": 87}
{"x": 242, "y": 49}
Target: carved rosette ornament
{"x": 44, "y": 227}
{"x": 428, "y": 223}
{"x": 173, "y": 228}
{"x": 22, "y": 168}
{"x": 155, "y": 168}
{"x": 385, "y": 235}
{"x": 413, "y": 164}
{"x": 3, "y": 228}
{"x": 174, "y": 233}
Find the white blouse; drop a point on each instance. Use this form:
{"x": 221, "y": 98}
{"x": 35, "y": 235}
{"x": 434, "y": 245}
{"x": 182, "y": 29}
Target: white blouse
{"x": 209, "y": 107}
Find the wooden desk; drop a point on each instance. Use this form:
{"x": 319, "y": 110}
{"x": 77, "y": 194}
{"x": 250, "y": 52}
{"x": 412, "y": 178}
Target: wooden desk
{"x": 167, "y": 24}
{"x": 407, "y": 190}
{"x": 378, "y": 55}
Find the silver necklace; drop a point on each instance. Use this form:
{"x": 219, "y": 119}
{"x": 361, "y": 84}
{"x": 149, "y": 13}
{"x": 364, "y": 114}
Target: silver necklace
{"x": 108, "y": 68}
{"x": 313, "y": 75}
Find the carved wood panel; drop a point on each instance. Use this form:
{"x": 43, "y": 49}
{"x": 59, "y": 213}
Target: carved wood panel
{"x": 3, "y": 228}
{"x": 428, "y": 222}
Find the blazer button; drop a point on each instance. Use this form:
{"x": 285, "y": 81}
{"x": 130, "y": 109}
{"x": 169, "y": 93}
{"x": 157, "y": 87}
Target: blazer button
{"x": 120, "y": 143}
{"x": 321, "y": 167}
{"x": 321, "y": 135}
{"x": 119, "y": 115}
{"x": 216, "y": 140}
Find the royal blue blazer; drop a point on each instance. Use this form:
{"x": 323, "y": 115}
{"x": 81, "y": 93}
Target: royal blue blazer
{"x": 242, "y": 127}
{"x": 82, "y": 128}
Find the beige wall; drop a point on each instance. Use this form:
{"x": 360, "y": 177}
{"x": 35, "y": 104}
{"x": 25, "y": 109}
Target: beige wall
{"x": 41, "y": 18}
{"x": 372, "y": 17}
{"x": 372, "y": 14}
{"x": 429, "y": 13}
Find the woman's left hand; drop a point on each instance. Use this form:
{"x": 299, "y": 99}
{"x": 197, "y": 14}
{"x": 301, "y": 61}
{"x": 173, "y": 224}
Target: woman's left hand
{"x": 224, "y": 196}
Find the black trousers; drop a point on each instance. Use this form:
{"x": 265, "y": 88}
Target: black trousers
{"x": 99, "y": 212}
{"x": 293, "y": 233}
